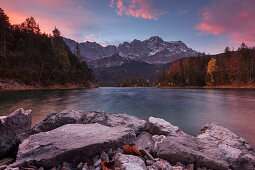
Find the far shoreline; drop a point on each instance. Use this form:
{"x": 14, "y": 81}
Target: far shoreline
{"x": 14, "y": 85}
{"x": 8, "y": 85}
{"x": 209, "y": 87}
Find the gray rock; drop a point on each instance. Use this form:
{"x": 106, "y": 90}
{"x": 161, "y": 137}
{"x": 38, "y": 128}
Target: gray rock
{"x": 238, "y": 152}
{"x": 157, "y": 139}
{"x": 104, "y": 156}
{"x": 189, "y": 150}
{"x": 95, "y": 159}
{"x": 85, "y": 167}
{"x": 149, "y": 162}
{"x": 2, "y": 167}
{"x": 66, "y": 166}
{"x": 11, "y": 126}
{"x": 98, "y": 168}
{"x": 110, "y": 152}
{"x": 144, "y": 142}
{"x": 190, "y": 167}
{"x": 74, "y": 142}
{"x": 214, "y": 148}
{"x": 161, "y": 164}
{"x": 128, "y": 162}
{"x": 80, "y": 166}
{"x": 57, "y": 119}
{"x": 177, "y": 168}
{"x": 6, "y": 161}
{"x": 157, "y": 126}
{"x": 97, "y": 163}
{"x": 115, "y": 120}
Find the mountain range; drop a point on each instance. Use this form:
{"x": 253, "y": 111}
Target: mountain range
{"x": 152, "y": 51}
{"x": 130, "y": 59}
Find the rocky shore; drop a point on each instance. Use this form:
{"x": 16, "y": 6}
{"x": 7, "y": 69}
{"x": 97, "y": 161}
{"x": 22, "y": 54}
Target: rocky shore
{"x": 7, "y": 84}
{"x": 71, "y": 140}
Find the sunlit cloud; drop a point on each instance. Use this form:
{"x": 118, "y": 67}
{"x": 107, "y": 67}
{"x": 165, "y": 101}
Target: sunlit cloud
{"x": 68, "y": 15}
{"x": 136, "y": 8}
{"x": 234, "y": 18}
{"x": 95, "y": 38}
{"x": 182, "y": 12}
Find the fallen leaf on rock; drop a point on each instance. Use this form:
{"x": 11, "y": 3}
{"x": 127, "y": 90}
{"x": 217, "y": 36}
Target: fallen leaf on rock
{"x": 107, "y": 165}
{"x": 131, "y": 149}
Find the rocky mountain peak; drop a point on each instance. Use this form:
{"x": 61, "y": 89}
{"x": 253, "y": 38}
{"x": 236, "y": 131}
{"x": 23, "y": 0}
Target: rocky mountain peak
{"x": 153, "y": 51}
{"x": 156, "y": 39}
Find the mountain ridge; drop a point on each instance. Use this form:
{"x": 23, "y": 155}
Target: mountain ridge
{"x": 153, "y": 51}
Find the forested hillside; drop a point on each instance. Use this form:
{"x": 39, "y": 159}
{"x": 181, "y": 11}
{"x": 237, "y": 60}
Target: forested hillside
{"x": 35, "y": 58}
{"x": 232, "y": 68}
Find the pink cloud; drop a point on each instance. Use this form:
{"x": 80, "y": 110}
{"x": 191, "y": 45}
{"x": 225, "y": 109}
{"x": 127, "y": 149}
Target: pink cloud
{"x": 185, "y": 11}
{"x": 234, "y": 18}
{"x": 67, "y": 15}
{"x": 136, "y": 8}
{"x": 94, "y": 38}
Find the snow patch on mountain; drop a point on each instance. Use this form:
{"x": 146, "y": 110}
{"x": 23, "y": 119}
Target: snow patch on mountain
{"x": 153, "y": 51}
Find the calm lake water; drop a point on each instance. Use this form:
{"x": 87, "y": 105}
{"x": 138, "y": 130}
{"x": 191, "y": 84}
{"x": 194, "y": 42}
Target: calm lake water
{"x": 189, "y": 109}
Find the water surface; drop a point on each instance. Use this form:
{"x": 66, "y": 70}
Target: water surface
{"x": 189, "y": 109}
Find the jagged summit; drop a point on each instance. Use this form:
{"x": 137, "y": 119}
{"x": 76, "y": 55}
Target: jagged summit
{"x": 153, "y": 51}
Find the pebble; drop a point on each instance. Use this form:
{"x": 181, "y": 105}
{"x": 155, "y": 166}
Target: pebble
{"x": 80, "y": 165}
{"x": 104, "y": 156}
{"x": 149, "y": 162}
{"x": 190, "y": 167}
{"x": 85, "y": 167}
{"x": 2, "y": 167}
{"x": 97, "y": 162}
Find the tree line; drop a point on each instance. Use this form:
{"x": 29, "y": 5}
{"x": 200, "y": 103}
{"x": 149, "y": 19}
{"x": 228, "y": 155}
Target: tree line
{"x": 234, "y": 68}
{"x": 37, "y": 58}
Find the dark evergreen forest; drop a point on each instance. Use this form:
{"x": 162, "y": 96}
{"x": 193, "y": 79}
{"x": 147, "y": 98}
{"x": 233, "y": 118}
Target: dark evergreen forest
{"x": 36, "y": 58}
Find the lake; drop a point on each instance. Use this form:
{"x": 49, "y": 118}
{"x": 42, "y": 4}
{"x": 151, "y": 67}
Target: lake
{"x": 189, "y": 109}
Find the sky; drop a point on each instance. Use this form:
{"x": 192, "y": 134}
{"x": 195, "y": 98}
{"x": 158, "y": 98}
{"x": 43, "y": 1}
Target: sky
{"x": 205, "y": 25}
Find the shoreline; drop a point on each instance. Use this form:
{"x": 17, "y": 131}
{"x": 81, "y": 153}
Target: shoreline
{"x": 122, "y": 142}
{"x": 9, "y": 85}
{"x": 209, "y": 87}
{"x": 12, "y": 85}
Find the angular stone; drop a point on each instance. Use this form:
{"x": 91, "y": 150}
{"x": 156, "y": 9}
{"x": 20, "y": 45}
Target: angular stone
{"x": 80, "y": 165}
{"x": 66, "y": 166}
{"x": 115, "y": 119}
{"x": 3, "y": 167}
{"x": 190, "y": 167}
{"x": 74, "y": 142}
{"x": 188, "y": 150}
{"x": 104, "y": 156}
{"x": 57, "y": 119}
{"x": 161, "y": 164}
{"x": 6, "y": 161}
{"x": 11, "y": 126}
{"x": 238, "y": 152}
{"x": 157, "y": 126}
{"x": 128, "y": 162}
{"x": 144, "y": 142}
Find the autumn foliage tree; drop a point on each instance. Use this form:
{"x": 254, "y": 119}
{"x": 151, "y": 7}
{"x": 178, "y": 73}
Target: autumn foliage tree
{"x": 235, "y": 68}
{"x": 211, "y": 70}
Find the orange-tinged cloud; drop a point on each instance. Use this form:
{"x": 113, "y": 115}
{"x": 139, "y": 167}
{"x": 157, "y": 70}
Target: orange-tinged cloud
{"x": 234, "y": 18}
{"x": 67, "y": 15}
{"x": 136, "y": 8}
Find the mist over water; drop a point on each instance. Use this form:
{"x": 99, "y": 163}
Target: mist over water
{"x": 189, "y": 109}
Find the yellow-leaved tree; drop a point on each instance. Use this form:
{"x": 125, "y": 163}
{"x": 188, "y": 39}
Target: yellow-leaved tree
{"x": 211, "y": 69}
